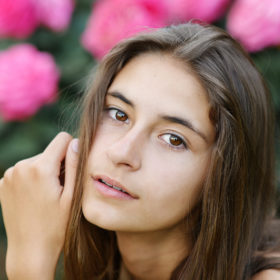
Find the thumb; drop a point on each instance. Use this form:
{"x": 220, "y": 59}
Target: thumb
{"x": 71, "y": 162}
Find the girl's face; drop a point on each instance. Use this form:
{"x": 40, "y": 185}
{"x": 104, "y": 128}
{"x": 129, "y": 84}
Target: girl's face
{"x": 154, "y": 142}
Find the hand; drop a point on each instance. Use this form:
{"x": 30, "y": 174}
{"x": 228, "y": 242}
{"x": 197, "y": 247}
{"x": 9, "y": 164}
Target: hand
{"x": 36, "y": 208}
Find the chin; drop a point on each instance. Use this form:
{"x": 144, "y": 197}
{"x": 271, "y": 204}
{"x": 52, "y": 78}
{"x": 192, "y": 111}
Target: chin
{"x": 113, "y": 222}
{"x": 103, "y": 218}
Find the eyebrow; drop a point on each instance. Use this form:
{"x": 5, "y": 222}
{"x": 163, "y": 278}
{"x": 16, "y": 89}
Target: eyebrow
{"x": 121, "y": 97}
{"x": 185, "y": 122}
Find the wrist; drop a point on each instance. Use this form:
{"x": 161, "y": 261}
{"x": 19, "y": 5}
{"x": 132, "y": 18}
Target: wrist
{"x": 30, "y": 265}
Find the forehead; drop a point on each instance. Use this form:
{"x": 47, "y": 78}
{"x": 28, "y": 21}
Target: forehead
{"x": 160, "y": 77}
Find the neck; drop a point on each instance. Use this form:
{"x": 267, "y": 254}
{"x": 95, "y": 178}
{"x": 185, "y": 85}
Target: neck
{"x": 153, "y": 255}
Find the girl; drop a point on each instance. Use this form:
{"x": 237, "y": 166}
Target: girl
{"x": 174, "y": 170}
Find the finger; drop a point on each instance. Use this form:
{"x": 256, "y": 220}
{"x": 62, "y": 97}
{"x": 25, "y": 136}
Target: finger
{"x": 1, "y": 186}
{"x": 32, "y": 159}
{"x": 71, "y": 163}
{"x": 56, "y": 150}
{"x": 6, "y": 175}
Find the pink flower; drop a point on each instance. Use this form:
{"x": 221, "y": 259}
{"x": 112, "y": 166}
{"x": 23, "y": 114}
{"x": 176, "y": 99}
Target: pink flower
{"x": 113, "y": 20}
{"x": 205, "y": 10}
{"x": 208, "y": 10}
{"x": 17, "y": 18}
{"x": 28, "y": 80}
{"x": 255, "y": 23}
{"x": 55, "y": 14}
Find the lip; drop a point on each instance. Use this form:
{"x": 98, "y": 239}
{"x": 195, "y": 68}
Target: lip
{"x": 110, "y": 192}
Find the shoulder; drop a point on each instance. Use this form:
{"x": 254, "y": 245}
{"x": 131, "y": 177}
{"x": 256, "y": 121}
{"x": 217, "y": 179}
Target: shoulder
{"x": 268, "y": 274}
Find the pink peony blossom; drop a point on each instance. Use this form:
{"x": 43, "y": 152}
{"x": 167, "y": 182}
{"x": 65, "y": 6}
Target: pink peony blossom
{"x": 205, "y": 10}
{"x": 113, "y": 20}
{"x": 255, "y": 23}
{"x": 55, "y": 14}
{"x": 28, "y": 80}
{"x": 17, "y": 18}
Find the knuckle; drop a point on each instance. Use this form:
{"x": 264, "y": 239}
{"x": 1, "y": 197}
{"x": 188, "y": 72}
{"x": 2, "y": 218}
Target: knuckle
{"x": 21, "y": 168}
{"x": 33, "y": 169}
{"x": 36, "y": 170}
{"x": 1, "y": 189}
{"x": 19, "y": 165}
{"x": 64, "y": 135}
{"x": 40, "y": 168}
{"x": 8, "y": 174}
{"x": 7, "y": 181}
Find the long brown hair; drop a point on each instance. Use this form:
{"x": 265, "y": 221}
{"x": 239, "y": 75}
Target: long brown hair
{"x": 237, "y": 197}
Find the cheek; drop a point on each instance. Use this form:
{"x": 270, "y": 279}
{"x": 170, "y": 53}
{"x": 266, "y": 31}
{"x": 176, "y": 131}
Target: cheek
{"x": 176, "y": 174}
{"x": 172, "y": 190}
{"x": 104, "y": 137}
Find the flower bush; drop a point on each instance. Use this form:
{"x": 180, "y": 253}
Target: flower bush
{"x": 19, "y": 18}
{"x": 55, "y": 14}
{"x": 28, "y": 80}
{"x": 113, "y": 20}
{"x": 255, "y": 23}
{"x": 205, "y": 10}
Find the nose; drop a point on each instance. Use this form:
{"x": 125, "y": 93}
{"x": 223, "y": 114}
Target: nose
{"x": 127, "y": 150}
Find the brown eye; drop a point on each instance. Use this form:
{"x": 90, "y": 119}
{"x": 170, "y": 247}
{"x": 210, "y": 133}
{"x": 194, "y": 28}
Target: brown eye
{"x": 117, "y": 115}
{"x": 175, "y": 140}
{"x": 121, "y": 116}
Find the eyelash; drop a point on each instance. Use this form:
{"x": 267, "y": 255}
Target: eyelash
{"x": 110, "y": 109}
{"x": 183, "y": 144}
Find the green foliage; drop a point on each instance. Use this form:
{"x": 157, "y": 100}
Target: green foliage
{"x": 268, "y": 62}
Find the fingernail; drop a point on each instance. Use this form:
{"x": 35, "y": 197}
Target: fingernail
{"x": 75, "y": 145}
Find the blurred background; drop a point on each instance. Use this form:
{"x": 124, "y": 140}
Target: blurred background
{"x": 47, "y": 48}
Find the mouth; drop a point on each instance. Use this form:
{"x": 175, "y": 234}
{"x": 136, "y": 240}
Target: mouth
{"x": 112, "y": 188}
